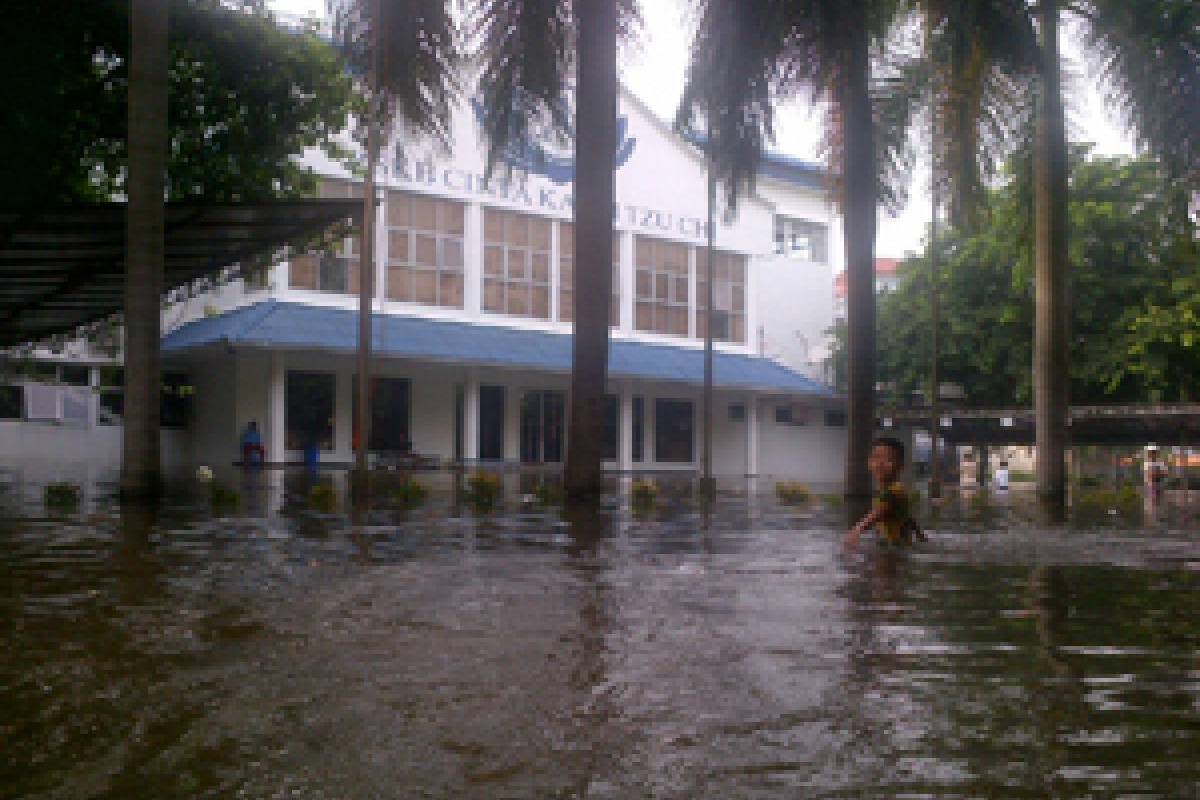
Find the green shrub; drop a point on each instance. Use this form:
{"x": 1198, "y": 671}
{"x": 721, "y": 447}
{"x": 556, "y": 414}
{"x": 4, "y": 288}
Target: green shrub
{"x": 833, "y": 500}
{"x": 62, "y": 495}
{"x": 643, "y": 494}
{"x": 549, "y": 494}
{"x": 484, "y": 490}
{"x": 792, "y": 493}
{"x": 410, "y": 493}
{"x": 221, "y": 496}
{"x": 323, "y": 497}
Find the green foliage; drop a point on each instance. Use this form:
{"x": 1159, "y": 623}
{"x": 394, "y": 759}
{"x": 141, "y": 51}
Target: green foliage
{"x": 833, "y": 500}
{"x": 222, "y": 496}
{"x": 484, "y": 490}
{"x": 61, "y": 496}
{"x": 245, "y": 96}
{"x": 549, "y": 494}
{"x": 792, "y": 493}
{"x": 643, "y": 494}
{"x": 1134, "y": 285}
{"x": 1124, "y": 502}
{"x": 323, "y": 497}
{"x": 409, "y": 493}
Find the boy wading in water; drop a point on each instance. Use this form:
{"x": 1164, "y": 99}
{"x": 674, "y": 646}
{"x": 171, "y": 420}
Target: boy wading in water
{"x": 890, "y": 514}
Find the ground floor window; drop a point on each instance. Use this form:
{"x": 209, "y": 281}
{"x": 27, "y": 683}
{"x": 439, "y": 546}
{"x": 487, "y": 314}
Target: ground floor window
{"x": 612, "y": 427}
{"x": 389, "y": 414}
{"x": 673, "y": 428}
{"x": 543, "y": 425}
{"x": 177, "y": 394}
{"x": 639, "y": 430}
{"x": 12, "y": 398}
{"x": 309, "y": 409}
{"x": 491, "y": 423}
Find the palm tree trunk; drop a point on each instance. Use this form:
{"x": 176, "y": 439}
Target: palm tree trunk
{"x": 1050, "y": 376}
{"x": 707, "y": 484}
{"x": 935, "y": 479}
{"x": 595, "y": 155}
{"x": 362, "y": 410}
{"x": 144, "y": 247}
{"x": 858, "y": 167}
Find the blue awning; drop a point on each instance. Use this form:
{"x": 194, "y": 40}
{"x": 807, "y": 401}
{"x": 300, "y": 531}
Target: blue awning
{"x": 298, "y": 326}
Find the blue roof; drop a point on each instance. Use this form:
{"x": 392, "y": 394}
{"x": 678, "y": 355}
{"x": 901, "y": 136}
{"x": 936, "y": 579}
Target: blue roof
{"x": 278, "y": 324}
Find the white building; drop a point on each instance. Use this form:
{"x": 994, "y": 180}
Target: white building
{"x": 472, "y": 319}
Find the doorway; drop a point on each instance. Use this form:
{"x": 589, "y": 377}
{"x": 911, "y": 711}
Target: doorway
{"x": 491, "y": 423}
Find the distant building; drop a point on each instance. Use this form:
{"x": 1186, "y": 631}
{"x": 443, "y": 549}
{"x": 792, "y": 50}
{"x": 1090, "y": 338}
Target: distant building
{"x": 887, "y": 279}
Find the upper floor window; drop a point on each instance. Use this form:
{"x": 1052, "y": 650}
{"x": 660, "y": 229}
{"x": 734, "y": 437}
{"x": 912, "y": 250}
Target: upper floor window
{"x": 661, "y": 286}
{"x": 802, "y": 239}
{"x": 566, "y": 276}
{"x": 425, "y": 250}
{"x": 729, "y": 296}
{"x": 516, "y": 264}
{"x": 335, "y": 270}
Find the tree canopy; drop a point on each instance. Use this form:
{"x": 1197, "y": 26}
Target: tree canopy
{"x": 1134, "y": 282}
{"x": 245, "y": 97}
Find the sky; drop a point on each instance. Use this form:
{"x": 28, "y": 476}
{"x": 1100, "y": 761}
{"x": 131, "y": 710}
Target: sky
{"x": 654, "y": 70}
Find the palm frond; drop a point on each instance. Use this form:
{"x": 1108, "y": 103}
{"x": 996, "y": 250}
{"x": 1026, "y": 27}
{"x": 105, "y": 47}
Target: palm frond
{"x": 526, "y": 55}
{"x": 418, "y": 59}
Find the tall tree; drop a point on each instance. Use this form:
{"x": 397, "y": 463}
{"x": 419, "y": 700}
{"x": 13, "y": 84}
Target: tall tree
{"x": 531, "y": 50}
{"x": 752, "y": 56}
{"x": 408, "y": 51}
{"x": 233, "y": 130}
{"x": 145, "y": 247}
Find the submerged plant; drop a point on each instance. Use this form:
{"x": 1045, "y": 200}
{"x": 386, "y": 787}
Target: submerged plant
{"x": 792, "y": 493}
{"x": 484, "y": 490}
{"x": 221, "y": 496}
{"x": 549, "y": 494}
{"x": 410, "y": 493}
{"x": 323, "y": 497}
{"x": 61, "y": 495}
{"x": 643, "y": 494}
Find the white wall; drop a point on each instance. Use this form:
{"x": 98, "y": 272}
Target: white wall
{"x": 812, "y": 453}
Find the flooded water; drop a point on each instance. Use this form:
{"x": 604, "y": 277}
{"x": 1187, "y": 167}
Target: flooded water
{"x": 273, "y": 649}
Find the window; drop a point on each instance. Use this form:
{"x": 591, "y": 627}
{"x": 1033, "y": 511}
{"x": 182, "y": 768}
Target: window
{"x": 112, "y": 396}
{"x": 639, "y": 429}
{"x": 791, "y": 414}
{"x": 612, "y": 427}
{"x": 566, "y": 276}
{"x": 516, "y": 264}
{"x": 737, "y": 412}
{"x": 334, "y": 270}
{"x": 177, "y": 393}
{"x": 835, "y": 418}
{"x": 661, "y": 285}
{"x": 309, "y": 410}
{"x": 491, "y": 423}
{"x": 425, "y": 250}
{"x": 783, "y": 415}
{"x": 12, "y": 400}
{"x": 801, "y": 239}
{"x": 729, "y": 297}
{"x": 673, "y": 426}
{"x": 389, "y": 414}
{"x": 75, "y": 375}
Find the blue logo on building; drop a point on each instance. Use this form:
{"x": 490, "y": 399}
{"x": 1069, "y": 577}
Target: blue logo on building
{"x": 534, "y": 157}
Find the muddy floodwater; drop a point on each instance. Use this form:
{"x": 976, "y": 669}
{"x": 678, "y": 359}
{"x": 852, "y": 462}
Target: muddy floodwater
{"x": 274, "y": 645}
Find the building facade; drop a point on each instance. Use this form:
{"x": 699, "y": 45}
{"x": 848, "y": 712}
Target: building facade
{"x": 474, "y": 292}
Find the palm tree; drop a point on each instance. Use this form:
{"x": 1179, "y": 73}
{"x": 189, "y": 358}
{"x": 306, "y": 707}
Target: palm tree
{"x": 750, "y": 56}
{"x": 408, "y": 51}
{"x": 145, "y": 247}
{"x": 530, "y": 49}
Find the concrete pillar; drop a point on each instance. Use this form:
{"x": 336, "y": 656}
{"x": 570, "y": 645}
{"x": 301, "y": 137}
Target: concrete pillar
{"x": 473, "y": 263}
{"x": 752, "y": 435}
{"x": 512, "y": 422}
{"x": 625, "y": 427}
{"x": 692, "y": 264}
{"x": 555, "y": 277}
{"x": 471, "y": 416}
{"x": 628, "y": 283}
{"x": 274, "y": 435}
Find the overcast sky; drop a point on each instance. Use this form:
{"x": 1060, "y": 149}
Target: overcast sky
{"x": 655, "y": 68}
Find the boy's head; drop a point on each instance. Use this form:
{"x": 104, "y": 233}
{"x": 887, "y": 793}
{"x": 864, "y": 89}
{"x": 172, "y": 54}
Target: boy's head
{"x": 886, "y": 460}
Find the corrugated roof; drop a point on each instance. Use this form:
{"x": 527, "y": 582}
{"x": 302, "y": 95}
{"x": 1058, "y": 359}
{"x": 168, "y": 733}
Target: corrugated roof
{"x": 291, "y": 326}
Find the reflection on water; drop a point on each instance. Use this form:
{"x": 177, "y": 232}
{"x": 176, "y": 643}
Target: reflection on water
{"x": 279, "y": 650}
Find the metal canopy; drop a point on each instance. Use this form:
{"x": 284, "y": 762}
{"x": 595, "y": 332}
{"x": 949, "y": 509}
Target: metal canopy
{"x": 64, "y": 267}
{"x": 1163, "y": 423}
